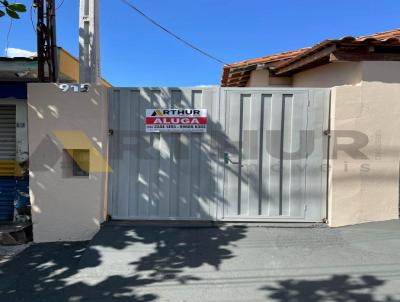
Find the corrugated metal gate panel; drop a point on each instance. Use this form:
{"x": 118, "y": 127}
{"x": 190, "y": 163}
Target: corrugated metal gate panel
{"x": 183, "y": 176}
{"x": 262, "y": 185}
{"x": 7, "y": 161}
{"x": 160, "y": 175}
{"x": 278, "y": 173}
{"x": 294, "y": 108}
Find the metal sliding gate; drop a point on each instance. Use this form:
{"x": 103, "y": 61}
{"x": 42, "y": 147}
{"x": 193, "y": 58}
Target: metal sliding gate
{"x": 8, "y": 151}
{"x": 263, "y": 157}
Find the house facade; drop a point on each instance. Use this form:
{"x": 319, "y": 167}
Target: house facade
{"x": 363, "y": 74}
{"x": 92, "y": 158}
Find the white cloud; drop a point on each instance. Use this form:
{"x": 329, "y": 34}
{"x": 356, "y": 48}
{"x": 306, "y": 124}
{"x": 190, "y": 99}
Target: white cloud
{"x": 206, "y": 86}
{"x": 16, "y": 52}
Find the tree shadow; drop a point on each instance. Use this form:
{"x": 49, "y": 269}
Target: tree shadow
{"x": 146, "y": 256}
{"x": 170, "y": 175}
{"x": 338, "y": 288}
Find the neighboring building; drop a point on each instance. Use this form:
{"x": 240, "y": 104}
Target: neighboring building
{"x": 24, "y": 69}
{"x": 345, "y": 61}
{"x": 252, "y": 163}
{"x": 15, "y": 73}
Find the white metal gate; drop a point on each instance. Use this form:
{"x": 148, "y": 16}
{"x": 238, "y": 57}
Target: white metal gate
{"x": 262, "y": 157}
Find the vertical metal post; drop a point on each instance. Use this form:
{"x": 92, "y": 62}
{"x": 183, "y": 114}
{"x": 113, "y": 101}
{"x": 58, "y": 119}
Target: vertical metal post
{"x": 46, "y": 41}
{"x": 89, "y": 47}
{"x": 51, "y": 15}
{"x": 40, "y": 40}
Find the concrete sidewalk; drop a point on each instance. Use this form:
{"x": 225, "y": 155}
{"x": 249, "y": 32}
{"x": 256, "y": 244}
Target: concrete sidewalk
{"x": 7, "y": 252}
{"x": 128, "y": 263}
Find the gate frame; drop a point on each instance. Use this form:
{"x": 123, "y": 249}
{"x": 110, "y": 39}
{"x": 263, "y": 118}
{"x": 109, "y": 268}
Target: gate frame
{"x": 221, "y": 93}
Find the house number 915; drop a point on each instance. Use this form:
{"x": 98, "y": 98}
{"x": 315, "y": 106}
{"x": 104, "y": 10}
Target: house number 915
{"x": 74, "y": 87}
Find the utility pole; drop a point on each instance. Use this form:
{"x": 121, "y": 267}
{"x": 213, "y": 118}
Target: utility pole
{"x": 89, "y": 47}
{"x": 46, "y": 40}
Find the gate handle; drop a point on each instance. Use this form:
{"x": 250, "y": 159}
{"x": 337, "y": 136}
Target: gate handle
{"x": 228, "y": 160}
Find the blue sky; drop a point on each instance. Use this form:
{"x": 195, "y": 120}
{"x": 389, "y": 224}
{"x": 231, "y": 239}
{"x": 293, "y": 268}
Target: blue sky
{"x": 135, "y": 53}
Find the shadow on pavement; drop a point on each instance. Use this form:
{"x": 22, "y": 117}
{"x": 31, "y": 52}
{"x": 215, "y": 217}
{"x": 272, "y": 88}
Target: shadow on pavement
{"x": 55, "y": 271}
{"x": 338, "y": 288}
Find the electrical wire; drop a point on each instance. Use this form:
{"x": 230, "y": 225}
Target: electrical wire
{"x": 31, "y": 15}
{"x": 151, "y": 20}
{"x": 8, "y": 37}
{"x": 61, "y": 4}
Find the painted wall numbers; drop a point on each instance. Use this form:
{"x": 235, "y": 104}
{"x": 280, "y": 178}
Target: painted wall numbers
{"x": 74, "y": 87}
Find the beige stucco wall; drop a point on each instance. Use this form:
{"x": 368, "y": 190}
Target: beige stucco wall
{"x": 259, "y": 78}
{"x": 348, "y": 73}
{"x": 280, "y": 81}
{"x": 383, "y": 72}
{"x": 333, "y": 74}
{"x": 364, "y": 190}
{"x": 330, "y": 75}
{"x": 65, "y": 208}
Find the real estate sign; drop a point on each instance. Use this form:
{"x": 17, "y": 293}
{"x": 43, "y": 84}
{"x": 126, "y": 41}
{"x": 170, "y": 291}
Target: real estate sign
{"x": 176, "y": 120}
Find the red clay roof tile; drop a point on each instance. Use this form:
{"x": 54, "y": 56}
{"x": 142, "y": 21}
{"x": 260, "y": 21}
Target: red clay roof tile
{"x": 286, "y": 58}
